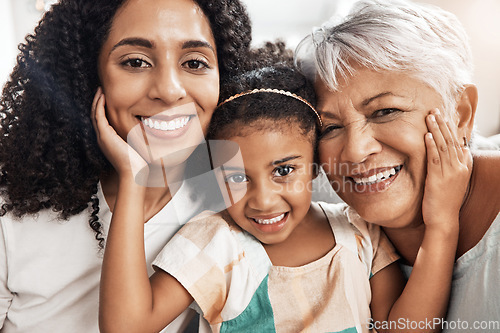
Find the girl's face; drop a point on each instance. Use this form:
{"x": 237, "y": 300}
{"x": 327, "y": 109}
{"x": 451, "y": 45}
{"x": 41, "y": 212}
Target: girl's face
{"x": 274, "y": 183}
{"x": 372, "y": 145}
{"x": 159, "y": 73}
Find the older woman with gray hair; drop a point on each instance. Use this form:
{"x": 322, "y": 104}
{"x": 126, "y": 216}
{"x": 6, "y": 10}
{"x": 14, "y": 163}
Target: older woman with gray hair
{"x": 378, "y": 73}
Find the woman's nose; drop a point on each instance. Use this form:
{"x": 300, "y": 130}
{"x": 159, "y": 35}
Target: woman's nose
{"x": 359, "y": 143}
{"x": 167, "y": 85}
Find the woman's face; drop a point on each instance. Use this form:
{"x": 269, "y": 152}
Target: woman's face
{"x": 160, "y": 77}
{"x": 372, "y": 147}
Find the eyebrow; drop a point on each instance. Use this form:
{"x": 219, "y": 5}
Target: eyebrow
{"x": 231, "y": 168}
{"x": 191, "y": 44}
{"x": 142, "y": 42}
{"x": 383, "y": 94}
{"x": 286, "y": 159}
{"x": 365, "y": 102}
{"x": 273, "y": 163}
{"x": 134, "y": 41}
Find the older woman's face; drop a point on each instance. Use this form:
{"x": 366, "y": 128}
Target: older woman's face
{"x": 372, "y": 147}
{"x": 160, "y": 77}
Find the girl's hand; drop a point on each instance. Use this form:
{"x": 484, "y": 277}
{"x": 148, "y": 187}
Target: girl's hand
{"x": 126, "y": 161}
{"x": 449, "y": 167}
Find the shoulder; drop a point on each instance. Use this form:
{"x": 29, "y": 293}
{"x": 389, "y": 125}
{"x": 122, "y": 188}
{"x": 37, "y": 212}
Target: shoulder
{"x": 342, "y": 216}
{"x": 482, "y": 204}
{"x": 485, "y": 181}
{"x": 486, "y": 171}
{"x": 366, "y": 239}
{"x": 207, "y": 224}
{"x": 213, "y": 234}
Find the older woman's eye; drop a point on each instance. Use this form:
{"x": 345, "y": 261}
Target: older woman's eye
{"x": 384, "y": 115}
{"x": 329, "y": 131}
{"x": 384, "y": 112}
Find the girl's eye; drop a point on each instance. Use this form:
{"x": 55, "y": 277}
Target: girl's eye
{"x": 236, "y": 178}
{"x": 196, "y": 64}
{"x": 136, "y": 63}
{"x": 282, "y": 171}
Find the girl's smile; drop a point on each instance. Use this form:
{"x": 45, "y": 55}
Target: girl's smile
{"x": 270, "y": 224}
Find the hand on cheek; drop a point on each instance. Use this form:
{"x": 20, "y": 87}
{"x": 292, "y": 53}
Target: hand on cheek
{"x": 126, "y": 161}
{"x": 449, "y": 165}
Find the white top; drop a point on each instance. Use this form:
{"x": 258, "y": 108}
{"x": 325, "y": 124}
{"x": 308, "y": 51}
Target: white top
{"x": 50, "y": 269}
{"x": 475, "y": 290}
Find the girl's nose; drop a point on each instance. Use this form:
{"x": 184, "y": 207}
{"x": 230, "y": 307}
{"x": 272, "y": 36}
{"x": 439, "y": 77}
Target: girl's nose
{"x": 264, "y": 196}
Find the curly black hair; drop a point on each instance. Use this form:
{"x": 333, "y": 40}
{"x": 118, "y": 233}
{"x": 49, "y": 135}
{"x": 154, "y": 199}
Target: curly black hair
{"x": 49, "y": 156}
{"x": 262, "y": 111}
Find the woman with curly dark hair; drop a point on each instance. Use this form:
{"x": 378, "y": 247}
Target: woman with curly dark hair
{"x": 58, "y": 189}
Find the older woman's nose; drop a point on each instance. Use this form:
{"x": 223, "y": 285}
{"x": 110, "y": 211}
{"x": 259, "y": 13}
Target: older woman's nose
{"x": 167, "y": 86}
{"x": 359, "y": 143}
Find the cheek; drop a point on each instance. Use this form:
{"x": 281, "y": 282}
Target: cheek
{"x": 327, "y": 153}
{"x": 207, "y": 96}
{"x": 121, "y": 92}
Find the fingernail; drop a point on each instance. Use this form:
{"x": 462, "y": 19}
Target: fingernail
{"x": 432, "y": 118}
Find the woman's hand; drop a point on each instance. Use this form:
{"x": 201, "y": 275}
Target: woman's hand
{"x": 126, "y": 161}
{"x": 449, "y": 167}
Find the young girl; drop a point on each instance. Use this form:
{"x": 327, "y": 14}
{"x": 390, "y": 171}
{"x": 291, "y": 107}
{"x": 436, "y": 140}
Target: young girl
{"x": 274, "y": 261}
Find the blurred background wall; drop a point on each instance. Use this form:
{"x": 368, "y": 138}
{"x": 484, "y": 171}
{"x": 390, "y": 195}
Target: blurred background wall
{"x": 293, "y": 19}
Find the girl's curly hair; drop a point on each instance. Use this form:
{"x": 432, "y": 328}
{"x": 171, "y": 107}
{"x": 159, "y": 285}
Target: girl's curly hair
{"x": 49, "y": 157}
{"x": 272, "y": 68}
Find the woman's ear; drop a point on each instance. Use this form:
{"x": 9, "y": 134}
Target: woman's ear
{"x": 466, "y": 110}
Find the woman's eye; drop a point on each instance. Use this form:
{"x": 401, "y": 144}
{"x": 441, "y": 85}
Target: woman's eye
{"x": 196, "y": 64}
{"x": 384, "y": 112}
{"x": 330, "y": 131}
{"x": 282, "y": 171}
{"x": 236, "y": 179}
{"x": 136, "y": 63}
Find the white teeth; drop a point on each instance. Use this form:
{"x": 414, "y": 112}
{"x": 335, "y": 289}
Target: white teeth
{"x": 270, "y": 221}
{"x": 376, "y": 178}
{"x": 162, "y": 125}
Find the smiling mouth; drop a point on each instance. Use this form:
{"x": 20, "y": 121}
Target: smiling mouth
{"x": 271, "y": 221}
{"x": 164, "y": 125}
{"x": 377, "y": 178}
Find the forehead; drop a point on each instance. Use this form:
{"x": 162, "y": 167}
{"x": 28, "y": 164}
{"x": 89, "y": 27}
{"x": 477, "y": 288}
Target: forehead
{"x": 160, "y": 20}
{"x": 263, "y": 147}
{"x": 366, "y": 86}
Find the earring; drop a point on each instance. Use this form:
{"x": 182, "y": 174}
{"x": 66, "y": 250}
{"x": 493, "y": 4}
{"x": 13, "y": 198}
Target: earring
{"x": 466, "y": 143}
